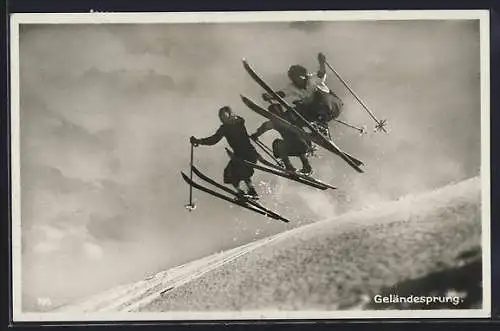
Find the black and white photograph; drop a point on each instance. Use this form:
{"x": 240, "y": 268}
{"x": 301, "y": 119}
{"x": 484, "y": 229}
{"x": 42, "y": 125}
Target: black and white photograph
{"x": 250, "y": 165}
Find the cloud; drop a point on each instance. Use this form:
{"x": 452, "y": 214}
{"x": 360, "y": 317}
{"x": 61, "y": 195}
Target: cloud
{"x": 51, "y": 178}
{"x": 46, "y": 247}
{"x": 93, "y": 251}
{"x": 117, "y": 228}
{"x": 127, "y": 81}
{"x": 53, "y": 234}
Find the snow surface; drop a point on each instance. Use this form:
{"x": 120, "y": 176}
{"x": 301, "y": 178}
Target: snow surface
{"x": 425, "y": 244}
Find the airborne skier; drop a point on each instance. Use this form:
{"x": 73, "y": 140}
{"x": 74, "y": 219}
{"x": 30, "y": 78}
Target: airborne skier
{"x": 311, "y": 131}
{"x": 291, "y": 143}
{"x": 234, "y": 130}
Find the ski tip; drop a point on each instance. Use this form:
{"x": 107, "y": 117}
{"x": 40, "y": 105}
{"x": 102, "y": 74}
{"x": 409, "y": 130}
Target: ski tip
{"x": 186, "y": 178}
{"x": 249, "y": 103}
{"x": 195, "y": 169}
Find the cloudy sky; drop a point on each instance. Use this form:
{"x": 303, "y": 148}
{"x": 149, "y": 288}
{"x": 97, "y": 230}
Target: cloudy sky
{"x": 107, "y": 110}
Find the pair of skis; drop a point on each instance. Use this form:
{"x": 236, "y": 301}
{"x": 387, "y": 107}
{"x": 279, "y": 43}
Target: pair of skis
{"x": 312, "y": 133}
{"x": 281, "y": 172}
{"x": 233, "y": 198}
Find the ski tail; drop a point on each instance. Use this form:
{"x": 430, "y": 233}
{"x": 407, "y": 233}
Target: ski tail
{"x": 280, "y": 172}
{"x": 209, "y": 180}
{"x": 297, "y": 175}
{"x": 353, "y": 159}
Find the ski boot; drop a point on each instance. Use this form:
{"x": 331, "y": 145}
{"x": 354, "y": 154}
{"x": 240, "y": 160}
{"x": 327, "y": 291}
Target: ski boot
{"x": 280, "y": 162}
{"x": 322, "y": 128}
{"x": 290, "y": 169}
{"x": 306, "y": 170}
{"x": 252, "y": 194}
{"x": 241, "y": 196}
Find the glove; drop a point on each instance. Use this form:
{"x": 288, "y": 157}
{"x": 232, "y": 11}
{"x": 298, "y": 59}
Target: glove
{"x": 194, "y": 141}
{"x": 321, "y": 58}
{"x": 266, "y": 97}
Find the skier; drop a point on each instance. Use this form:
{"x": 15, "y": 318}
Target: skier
{"x": 310, "y": 94}
{"x": 291, "y": 143}
{"x": 234, "y": 130}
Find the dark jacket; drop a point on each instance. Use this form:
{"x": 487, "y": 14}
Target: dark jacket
{"x": 236, "y": 136}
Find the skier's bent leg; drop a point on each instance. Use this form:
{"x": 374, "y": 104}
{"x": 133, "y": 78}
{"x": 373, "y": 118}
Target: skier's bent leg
{"x": 306, "y": 166}
{"x": 277, "y": 147}
{"x": 288, "y": 165}
{"x": 230, "y": 177}
{"x": 280, "y": 150}
{"x": 240, "y": 193}
{"x": 251, "y": 189}
{"x": 236, "y": 185}
{"x": 247, "y": 173}
{"x": 243, "y": 172}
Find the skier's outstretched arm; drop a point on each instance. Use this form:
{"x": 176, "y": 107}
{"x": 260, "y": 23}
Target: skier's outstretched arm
{"x": 266, "y": 126}
{"x": 209, "y": 141}
{"x": 322, "y": 66}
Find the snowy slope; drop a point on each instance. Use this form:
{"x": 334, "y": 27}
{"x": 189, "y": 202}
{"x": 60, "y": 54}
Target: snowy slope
{"x": 424, "y": 245}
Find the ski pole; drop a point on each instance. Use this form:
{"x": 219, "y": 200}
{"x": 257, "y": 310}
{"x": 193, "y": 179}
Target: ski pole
{"x": 191, "y": 206}
{"x": 380, "y": 124}
{"x": 361, "y": 130}
{"x": 267, "y": 150}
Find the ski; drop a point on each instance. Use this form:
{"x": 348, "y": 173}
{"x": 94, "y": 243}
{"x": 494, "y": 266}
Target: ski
{"x": 297, "y": 174}
{"x": 295, "y": 177}
{"x": 228, "y": 199}
{"x": 306, "y": 135}
{"x": 316, "y": 136}
{"x": 270, "y": 116}
{"x": 230, "y": 191}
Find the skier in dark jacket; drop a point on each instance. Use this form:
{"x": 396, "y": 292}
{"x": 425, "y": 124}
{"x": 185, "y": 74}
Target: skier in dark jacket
{"x": 234, "y": 130}
{"x": 291, "y": 143}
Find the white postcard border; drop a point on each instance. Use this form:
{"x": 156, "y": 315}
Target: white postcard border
{"x": 246, "y": 17}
